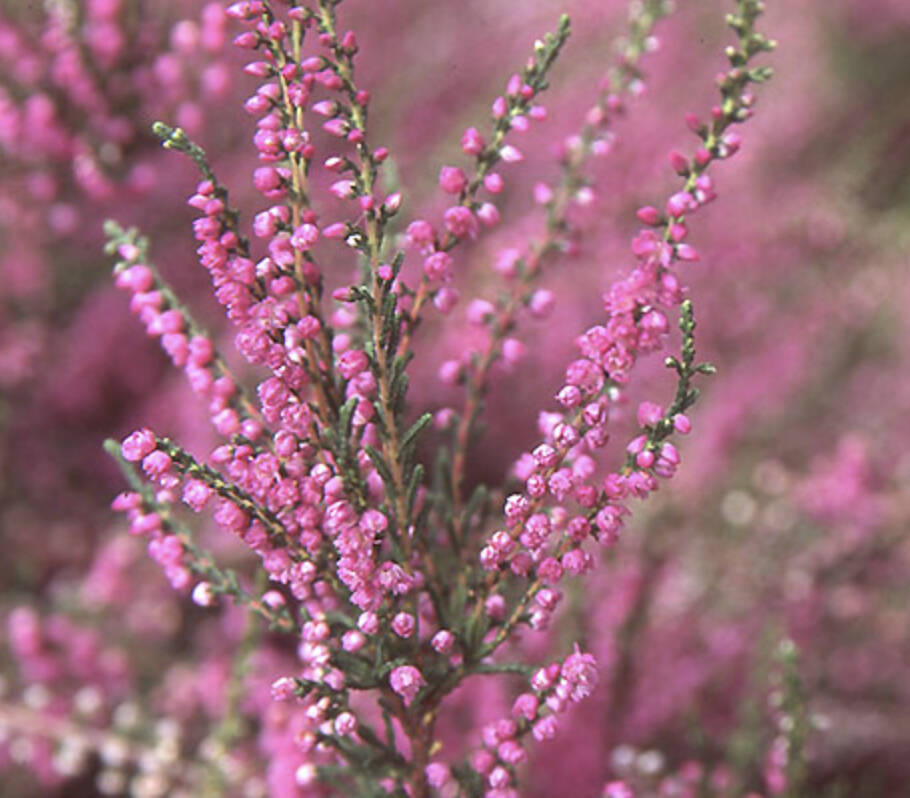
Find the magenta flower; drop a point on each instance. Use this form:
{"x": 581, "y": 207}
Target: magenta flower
{"x": 406, "y": 681}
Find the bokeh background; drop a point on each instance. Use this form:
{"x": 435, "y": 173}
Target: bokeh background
{"x": 789, "y": 516}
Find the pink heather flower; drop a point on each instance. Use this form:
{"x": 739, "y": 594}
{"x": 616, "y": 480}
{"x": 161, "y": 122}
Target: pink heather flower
{"x": 506, "y": 262}
{"x": 283, "y": 688}
{"x": 335, "y": 230}
{"x": 682, "y": 424}
{"x": 156, "y": 463}
{"x": 681, "y": 203}
{"x": 490, "y": 558}
{"x": 488, "y": 213}
{"x": 648, "y": 215}
{"x": 452, "y": 180}
{"x": 438, "y": 266}
{"x": 203, "y": 595}
{"x": 729, "y": 144}
{"x": 345, "y": 724}
{"x": 579, "y": 675}
{"x": 267, "y": 180}
{"x": 545, "y": 728}
{"x": 438, "y": 774}
{"x": 525, "y": 706}
{"x": 669, "y": 453}
{"x": 450, "y": 372}
{"x": 569, "y": 397}
{"x": 403, "y": 624}
{"x": 493, "y": 183}
{"x": 545, "y": 678}
{"x": 406, "y": 681}
{"x": 480, "y": 311}
{"x": 542, "y": 303}
{"x": 304, "y": 236}
{"x": 679, "y": 162}
{"x": 343, "y": 189}
{"x": 609, "y": 521}
{"x": 550, "y": 571}
{"x": 128, "y": 500}
{"x": 421, "y": 234}
{"x": 511, "y": 154}
{"x": 503, "y": 543}
{"x": 516, "y": 507}
{"x": 499, "y": 778}
{"x": 472, "y": 142}
{"x": 649, "y": 414}
{"x": 143, "y": 524}
{"x": 138, "y": 444}
{"x": 482, "y": 761}
{"x": 577, "y": 562}
{"x": 512, "y": 752}
{"x": 704, "y": 189}
{"x": 513, "y": 351}
{"x": 495, "y": 607}
{"x": 443, "y": 641}
{"x": 445, "y": 299}
{"x": 461, "y": 222}
{"x": 325, "y": 107}
{"x": 352, "y": 363}
{"x": 273, "y": 599}
{"x": 352, "y": 641}
{"x": 543, "y": 194}
{"x": 305, "y": 775}
{"x": 368, "y": 623}
{"x": 337, "y": 127}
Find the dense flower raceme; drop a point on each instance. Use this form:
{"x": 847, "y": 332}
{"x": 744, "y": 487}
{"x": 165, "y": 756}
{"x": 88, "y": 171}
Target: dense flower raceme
{"x": 320, "y": 476}
{"x": 663, "y": 643}
{"x": 81, "y": 82}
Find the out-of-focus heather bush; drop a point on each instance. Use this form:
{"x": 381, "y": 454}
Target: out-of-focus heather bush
{"x": 786, "y": 520}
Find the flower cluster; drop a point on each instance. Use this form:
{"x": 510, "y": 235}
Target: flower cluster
{"x": 320, "y": 474}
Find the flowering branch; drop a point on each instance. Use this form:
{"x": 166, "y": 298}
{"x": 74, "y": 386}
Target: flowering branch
{"x": 401, "y": 592}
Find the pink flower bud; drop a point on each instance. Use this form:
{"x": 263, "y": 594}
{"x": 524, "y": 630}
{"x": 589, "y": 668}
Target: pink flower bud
{"x": 472, "y": 142}
{"x": 452, "y": 180}
{"x": 542, "y": 303}
{"x": 343, "y": 189}
{"x": 139, "y": 444}
{"x": 443, "y": 641}
{"x": 679, "y": 162}
{"x": 649, "y": 413}
{"x": 543, "y": 194}
{"x": 403, "y": 624}
{"x": 406, "y": 681}
{"x": 511, "y": 154}
{"x": 493, "y": 183}
{"x": 682, "y": 424}
{"x": 648, "y": 215}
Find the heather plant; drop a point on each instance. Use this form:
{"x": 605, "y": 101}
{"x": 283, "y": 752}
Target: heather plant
{"x": 396, "y": 631}
{"x": 398, "y": 583}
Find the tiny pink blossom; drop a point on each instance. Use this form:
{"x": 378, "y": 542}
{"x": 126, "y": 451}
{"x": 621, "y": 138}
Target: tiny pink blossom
{"x": 138, "y": 444}
{"x": 649, "y": 414}
{"x": 452, "y": 180}
{"x": 406, "y": 681}
{"x": 472, "y": 142}
{"x": 403, "y": 624}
